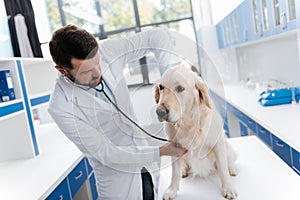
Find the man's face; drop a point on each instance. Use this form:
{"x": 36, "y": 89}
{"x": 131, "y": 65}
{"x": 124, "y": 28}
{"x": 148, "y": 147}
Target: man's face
{"x": 85, "y": 72}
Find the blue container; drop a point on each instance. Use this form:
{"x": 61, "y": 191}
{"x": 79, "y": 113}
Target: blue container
{"x": 7, "y": 92}
{"x": 274, "y": 94}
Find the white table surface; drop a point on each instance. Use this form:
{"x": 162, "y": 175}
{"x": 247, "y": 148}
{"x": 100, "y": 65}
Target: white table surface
{"x": 262, "y": 176}
{"x": 35, "y": 178}
{"x": 281, "y": 120}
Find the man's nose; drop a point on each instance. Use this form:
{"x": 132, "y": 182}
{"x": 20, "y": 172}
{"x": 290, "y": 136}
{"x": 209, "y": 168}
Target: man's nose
{"x": 162, "y": 112}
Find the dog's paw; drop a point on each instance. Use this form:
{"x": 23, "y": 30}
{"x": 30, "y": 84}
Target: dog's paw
{"x": 233, "y": 171}
{"x": 229, "y": 192}
{"x": 170, "y": 194}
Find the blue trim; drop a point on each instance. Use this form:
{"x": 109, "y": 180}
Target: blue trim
{"x": 26, "y": 102}
{"x": 6, "y": 110}
{"x": 39, "y": 100}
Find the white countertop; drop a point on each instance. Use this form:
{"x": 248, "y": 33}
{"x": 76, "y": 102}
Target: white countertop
{"x": 35, "y": 178}
{"x": 281, "y": 120}
{"x": 262, "y": 176}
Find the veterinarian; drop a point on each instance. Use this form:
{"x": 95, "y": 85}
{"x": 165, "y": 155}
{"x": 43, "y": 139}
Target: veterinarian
{"x": 115, "y": 148}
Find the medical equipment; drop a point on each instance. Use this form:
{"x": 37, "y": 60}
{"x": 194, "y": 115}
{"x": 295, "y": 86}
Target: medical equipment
{"x": 126, "y": 116}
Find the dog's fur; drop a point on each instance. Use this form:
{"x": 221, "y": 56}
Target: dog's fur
{"x": 193, "y": 122}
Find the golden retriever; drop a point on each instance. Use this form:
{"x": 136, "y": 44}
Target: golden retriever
{"x": 183, "y": 102}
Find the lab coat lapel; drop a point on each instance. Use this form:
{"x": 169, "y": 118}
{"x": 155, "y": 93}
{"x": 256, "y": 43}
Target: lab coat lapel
{"x": 81, "y": 98}
{"x": 118, "y": 89}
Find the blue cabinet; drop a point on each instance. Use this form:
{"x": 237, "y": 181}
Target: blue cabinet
{"x": 281, "y": 149}
{"x": 296, "y": 160}
{"x": 77, "y": 177}
{"x": 257, "y": 19}
{"x": 264, "y": 135}
{"x": 61, "y": 192}
{"x": 93, "y": 187}
{"x": 243, "y": 129}
{"x": 69, "y": 187}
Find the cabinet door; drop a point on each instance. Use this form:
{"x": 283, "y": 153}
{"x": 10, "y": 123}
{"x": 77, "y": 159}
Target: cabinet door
{"x": 291, "y": 13}
{"x": 93, "y": 187}
{"x": 246, "y": 22}
{"x": 77, "y": 177}
{"x": 282, "y": 149}
{"x": 243, "y": 129}
{"x": 220, "y": 34}
{"x": 264, "y": 135}
{"x": 283, "y": 14}
{"x": 257, "y": 19}
{"x": 61, "y": 192}
{"x": 296, "y": 160}
{"x": 266, "y": 16}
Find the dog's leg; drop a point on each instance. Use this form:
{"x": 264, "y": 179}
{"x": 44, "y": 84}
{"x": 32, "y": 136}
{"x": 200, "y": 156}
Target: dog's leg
{"x": 220, "y": 150}
{"x": 185, "y": 169}
{"x": 231, "y": 158}
{"x": 171, "y": 192}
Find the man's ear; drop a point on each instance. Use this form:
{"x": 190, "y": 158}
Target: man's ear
{"x": 204, "y": 97}
{"x": 61, "y": 70}
{"x": 156, "y": 93}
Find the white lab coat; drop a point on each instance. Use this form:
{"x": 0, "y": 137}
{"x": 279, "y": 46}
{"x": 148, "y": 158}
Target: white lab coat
{"x": 115, "y": 148}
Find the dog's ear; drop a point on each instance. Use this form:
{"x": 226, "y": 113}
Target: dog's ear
{"x": 156, "y": 93}
{"x": 204, "y": 97}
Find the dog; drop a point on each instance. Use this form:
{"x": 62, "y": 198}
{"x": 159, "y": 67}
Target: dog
{"x": 191, "y": 119}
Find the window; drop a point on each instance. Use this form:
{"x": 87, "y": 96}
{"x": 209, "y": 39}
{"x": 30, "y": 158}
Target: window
{"x": 118, "y": 18}
{"x": 155, "y": 11}
{"x": 117, "y": 14}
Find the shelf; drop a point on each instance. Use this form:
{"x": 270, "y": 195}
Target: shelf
{"x": 39, "y": 99}
{"x": 10, "y": 107}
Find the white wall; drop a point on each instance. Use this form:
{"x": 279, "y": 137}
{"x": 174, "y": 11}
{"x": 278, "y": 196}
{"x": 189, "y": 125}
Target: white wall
{"x": 221, "y": 8}
{"x": 276, "y": 59}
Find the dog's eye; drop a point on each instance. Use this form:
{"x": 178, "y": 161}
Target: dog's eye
{"x": 160, "y": 87}
{"x": 179, "y": 88}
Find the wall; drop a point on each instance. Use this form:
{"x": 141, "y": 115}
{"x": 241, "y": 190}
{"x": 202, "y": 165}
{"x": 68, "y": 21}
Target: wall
{"x": 221, "y": 8}
{"x": 272, "y": 59}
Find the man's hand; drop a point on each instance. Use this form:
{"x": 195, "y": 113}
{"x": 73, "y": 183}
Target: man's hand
{"x": 172, "y": 149}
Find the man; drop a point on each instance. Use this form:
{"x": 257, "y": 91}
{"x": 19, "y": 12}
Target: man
{"x": 114, "y": 147}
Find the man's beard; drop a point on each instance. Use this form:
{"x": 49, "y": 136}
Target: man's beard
{"x": 92, "y": 83}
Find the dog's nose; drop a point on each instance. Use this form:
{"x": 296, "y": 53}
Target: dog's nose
{"x": 162, "y": 112}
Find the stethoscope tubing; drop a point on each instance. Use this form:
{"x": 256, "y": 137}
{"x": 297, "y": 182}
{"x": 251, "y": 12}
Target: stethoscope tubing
{"x": 126, "y": 116}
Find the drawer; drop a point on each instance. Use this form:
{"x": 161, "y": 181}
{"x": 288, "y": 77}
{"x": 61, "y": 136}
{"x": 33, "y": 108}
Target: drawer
{"x": 93, "y": 187}
{"x": 296, "y": 160}
{"x": 61, "y": 192}
{"x": 264, "y": 135}
{"x": 89, "y": 167}
{"x": 77, "y": 177}
{"x": 251, "y": 124}
{"x": 282, "y": 149}
{"x": 243, "y": 129}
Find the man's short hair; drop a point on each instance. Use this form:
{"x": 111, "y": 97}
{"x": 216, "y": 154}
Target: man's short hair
{"x": 72, "y": 42}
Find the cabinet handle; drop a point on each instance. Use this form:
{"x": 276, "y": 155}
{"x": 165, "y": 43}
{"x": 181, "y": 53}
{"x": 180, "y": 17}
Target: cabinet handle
{"x": 262, "y": 131}
{"x": 61, "y": 197}
{"x": 250, "y": 122}
{"x": 283, "y": 21}
{"x": 279, "y": 144}
{"x": 79, "y": 176}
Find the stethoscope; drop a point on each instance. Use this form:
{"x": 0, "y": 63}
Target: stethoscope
{"x": 116, "y": 107}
